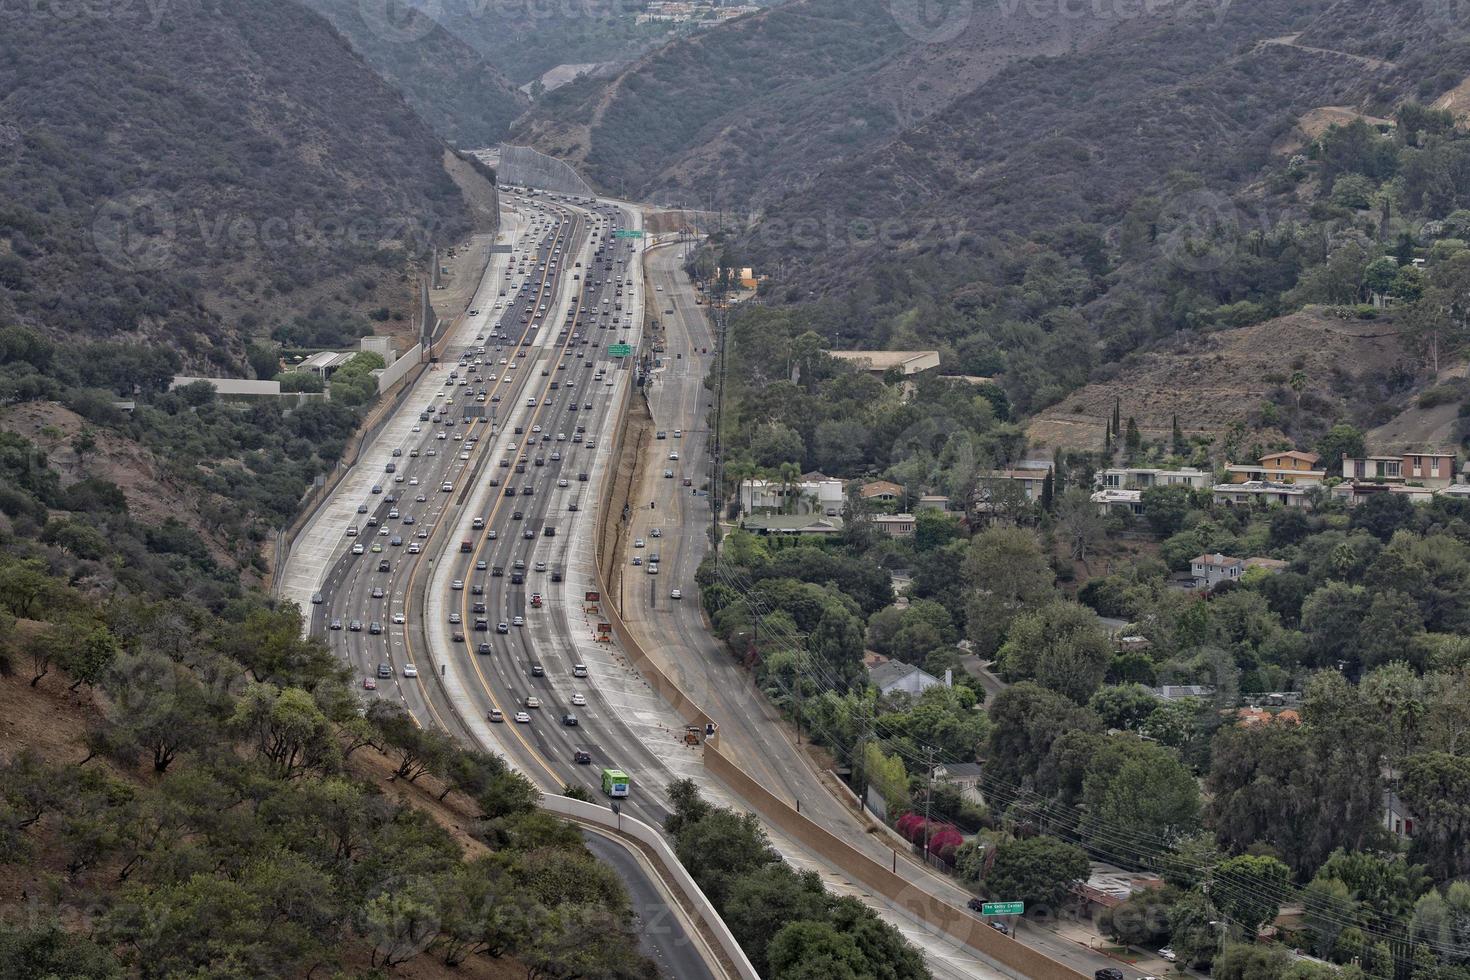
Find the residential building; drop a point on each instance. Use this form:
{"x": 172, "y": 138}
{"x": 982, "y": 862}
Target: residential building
{"x": 1285, "y": 467}
{"x": 1261, "y": 493}
{"x": 791, "y": 524}
{"x": 881, "y": 490}
{"x": 1177, "y": 692}
{"x": 1460, "y": 490}
{"x": 1354, "y": 493}
{"x": 1433, "y": 470}
{"x": 963, "y": 776}
{"x": 326, "y": 362}
{"x": 895, "y": 525}
{"x": 811, "y": 496}
{"x": 1115, "y": 501}
{"x": 1397, "y": 819}
{"x": 895, "y": 676}
{"x": 933, "y": 501}
{"x": 1141, "y": 478}
{"x": 1108, "y": 886}
{"x": 1210, "y": 570}
{"x": 1271, "y": 566}
{"x": 1001, "y": 490}
{"x": 906, "y": 362}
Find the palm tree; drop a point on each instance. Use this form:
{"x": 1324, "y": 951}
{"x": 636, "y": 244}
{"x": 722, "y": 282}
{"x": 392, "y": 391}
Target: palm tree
{"x": 790, "y": 473}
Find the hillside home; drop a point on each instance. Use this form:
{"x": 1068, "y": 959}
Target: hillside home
{"x": 880, "y": 362}
{"x": 1210, "y": 570}
{"x": 895, "y": 676}
{"x": 792, "y": 524}
{"x": 1285, "y": 467}
{"x": 1110, "y": 500}
{"x": 964, "y": 777}
{"x": 1397, "y": 819}
{"x": 1140, "y": 478}
{"x": 809, "y": 496}
{"x": 1262, "y": 494}
{"x": 880, "y": 490}
{"x": 1433, "y": 470}
{"x": 933, "y": 501}
{"x": 997, "y": 490}
{"x": 1354, "y": 493}
{"x": 895, "y": 525}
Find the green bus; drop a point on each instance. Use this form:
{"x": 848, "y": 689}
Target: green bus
{"x": 615, "y": 782}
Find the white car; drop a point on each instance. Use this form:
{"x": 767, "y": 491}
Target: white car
{"x": 533, "y": 702}
{"x": 409, "y": 670}
{"x": 1168, "y": 954}
{"x": 579, "y": 700}
{"x": 522, "y": 718}
{"x": 676, "y": 594}
{"x": 358, "y": 549}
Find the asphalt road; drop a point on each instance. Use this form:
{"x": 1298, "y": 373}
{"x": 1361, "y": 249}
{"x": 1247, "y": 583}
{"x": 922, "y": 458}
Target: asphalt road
{"x": 661, "y": 936}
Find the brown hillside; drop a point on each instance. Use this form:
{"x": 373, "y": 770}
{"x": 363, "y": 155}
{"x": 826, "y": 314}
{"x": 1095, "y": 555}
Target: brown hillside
{"x": 1225, "y": 377}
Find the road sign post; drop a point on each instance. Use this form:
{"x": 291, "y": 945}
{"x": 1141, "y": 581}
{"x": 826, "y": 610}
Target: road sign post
{"x": 628, "y": 233}
{"x": 1003, "y": 908}
{"x": 619, "y": 350}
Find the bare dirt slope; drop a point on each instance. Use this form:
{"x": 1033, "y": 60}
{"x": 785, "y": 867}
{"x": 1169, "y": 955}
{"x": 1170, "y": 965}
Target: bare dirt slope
{"x": 1223, "y": 378}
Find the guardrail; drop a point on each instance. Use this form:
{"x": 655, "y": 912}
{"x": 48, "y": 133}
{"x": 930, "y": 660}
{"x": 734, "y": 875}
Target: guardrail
{"x": 651, "y": 838}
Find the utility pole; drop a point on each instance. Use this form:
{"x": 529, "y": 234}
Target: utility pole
{"x": 716, "y": 486}
{"x": 799, "y": 666}
{"x": 928, "y": 794}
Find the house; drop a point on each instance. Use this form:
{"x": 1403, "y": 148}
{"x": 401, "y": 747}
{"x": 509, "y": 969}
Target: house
{"x": 1114, "y": 501}
{"x": 1108, "y": 886}
{"x": 1285, "y": 467}
{"x": 819, "y": 496}
{"x": 816, "y": 525}
{"x": 1252, "y": 716}
{"x": 895, "y": 525}
{"x": 1177, "y": 692}
{"x": 1141, "y": 478}
{"x": 999, "y": 491}
{"x": 1457, "y": 490}
{"x": 963, "y": 776}
{"x": 325, "y": 363}
{"x": 1261, "y": 493}
{"x": 1353, "y": 493}
{"x": 881, "y": 490}
{"x": 898, "y": 676}
{"x": 1433, "y": 470}
{"x": 1210, "y": 570}
{"x": 880, "y": 362}
{"x": 1397, "y": 819}
{"x": 933, "y": 501}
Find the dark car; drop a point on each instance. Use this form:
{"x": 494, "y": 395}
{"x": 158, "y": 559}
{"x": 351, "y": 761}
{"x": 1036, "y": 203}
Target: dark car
{"x": 384, "y": 670}
{"x": 537, "y": 670}
{"x": 484, "y": 648}
{"x": 569, "y": 721}
{"x": 582, "y": 757}
{"x": 1108, "y": 973}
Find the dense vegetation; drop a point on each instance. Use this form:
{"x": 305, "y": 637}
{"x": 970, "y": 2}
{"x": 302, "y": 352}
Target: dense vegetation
{"x": 464, "y": 97}
{"x": 260, "y": 160}
{"x": 219, "y": 815}
{"x": 786, "y": 922}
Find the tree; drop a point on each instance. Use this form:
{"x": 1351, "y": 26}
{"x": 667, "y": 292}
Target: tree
{"x": 1039, "y": 871}
{"x": 1079, "y": 522}
{"x": 814, "y": 951}
{"x": 933, "y": 529}
{"x": 761, "y": 904}
{"x": 1381, "y": 274}
{"x": 1138, "y": 796}
{"x": 1007, "y": 573}
{"x": 48, "y": 951}
{"x": 1026, "y": 721}
{"x": 1165, "y": 508}
{"x": 1248, "y": 888}
{"x": 1436, "y": 789}
{"x": 1132, "y": 438}
{"x": 1060, "y": 646}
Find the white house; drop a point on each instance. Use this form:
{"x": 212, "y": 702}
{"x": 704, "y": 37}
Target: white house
{"x": 1139, "y": 478}
{"x": 824, "y": 496}
{"x": 1113, "y": 500}
{"x": 1210, "y": 570}
{"x": 898, "y": 676}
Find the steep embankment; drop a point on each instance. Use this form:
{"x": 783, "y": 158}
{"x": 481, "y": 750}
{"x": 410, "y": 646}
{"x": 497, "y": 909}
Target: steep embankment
{"x": 188, "y": 180}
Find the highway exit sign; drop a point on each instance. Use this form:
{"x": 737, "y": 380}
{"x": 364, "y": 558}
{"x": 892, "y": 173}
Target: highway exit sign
{"x": 619, "y": 350}
{"x": 628, "y": 233}
{"x": 1003, "y": 908}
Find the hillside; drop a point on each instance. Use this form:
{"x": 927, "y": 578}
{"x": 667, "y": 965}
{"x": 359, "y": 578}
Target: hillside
{"x": 450, "y": 85}
{"x": 1218, "y": 381}
{"x": 251, "y": 167}
{"x": 760, "y": 105}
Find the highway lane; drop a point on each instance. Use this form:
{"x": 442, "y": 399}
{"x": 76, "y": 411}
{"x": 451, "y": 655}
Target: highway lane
{"x": 503, "y": 679}
{"x": 350, "y": 591}
{"x": 662, "y": 936}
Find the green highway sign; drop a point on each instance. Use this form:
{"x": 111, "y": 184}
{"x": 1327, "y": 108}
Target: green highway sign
{"x": 1003, "y": 908}
{"x": 619, "y": 350}
{"x": 628, "y": 233}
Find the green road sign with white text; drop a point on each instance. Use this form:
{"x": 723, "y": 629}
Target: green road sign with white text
{"x": 628, "y": 233}
{"x": 619, "y": 350}
{"x": 1003, "y": 908}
